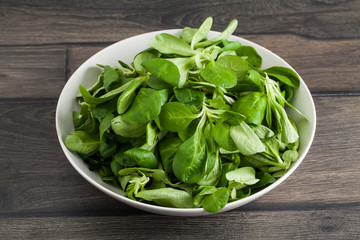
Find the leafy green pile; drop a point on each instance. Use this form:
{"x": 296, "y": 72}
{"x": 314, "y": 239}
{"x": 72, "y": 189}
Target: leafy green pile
{"x": 191, "y": 122}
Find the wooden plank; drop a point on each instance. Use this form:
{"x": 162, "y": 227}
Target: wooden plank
{"x": 78, "y": 54}
{"x": 38, "y": 176}
{"x": 32, "y": 72}
{"x": 42, "y": 22}
{"x": 39, "y": 179}
{"x": 325, "y": 66}
{"x": 337, "y": 223}
{"x": 320, "y": 64}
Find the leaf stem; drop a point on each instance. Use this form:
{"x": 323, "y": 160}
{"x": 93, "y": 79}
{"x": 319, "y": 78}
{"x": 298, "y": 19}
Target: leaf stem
{"x": 273, "y": 85}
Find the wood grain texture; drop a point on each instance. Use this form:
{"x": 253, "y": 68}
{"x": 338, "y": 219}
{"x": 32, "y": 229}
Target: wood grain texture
{"x": 40, "y": 72}
{"x": 40, "y": 180}
{"x": 44, "y": 41}
{"x": 48, "y": 22}
{"x": 78, "y": 54}
{"x": 325, "y": 66}
{"x": 330, "y": 224}
{"x": 32, "y": 72}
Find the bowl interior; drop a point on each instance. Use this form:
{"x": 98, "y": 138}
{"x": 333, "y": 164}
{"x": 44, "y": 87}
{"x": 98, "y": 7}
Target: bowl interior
{"x": 125, "y": 51}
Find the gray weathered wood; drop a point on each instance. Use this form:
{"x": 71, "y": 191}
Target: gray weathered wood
{"x": 32, "y": 72}
{"x": 43, "y": 42}
{"x": 325, "y": 66}
{"x": 333, "y": 223}
{"x": 39, "y": 72}
{"x": 39, "y": 177}
{"x": 77, "y": 55}
{"x": 39, "y": 22}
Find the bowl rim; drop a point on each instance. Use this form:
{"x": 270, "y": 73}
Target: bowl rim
{"x": 181, "y": 211}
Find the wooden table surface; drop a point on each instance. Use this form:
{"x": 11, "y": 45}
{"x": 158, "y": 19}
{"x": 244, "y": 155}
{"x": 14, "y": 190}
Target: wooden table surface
{"x": 43, "y": 42}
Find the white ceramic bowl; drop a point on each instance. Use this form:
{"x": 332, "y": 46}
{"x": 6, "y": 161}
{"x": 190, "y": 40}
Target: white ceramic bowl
{"x": 125, "y": 51}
